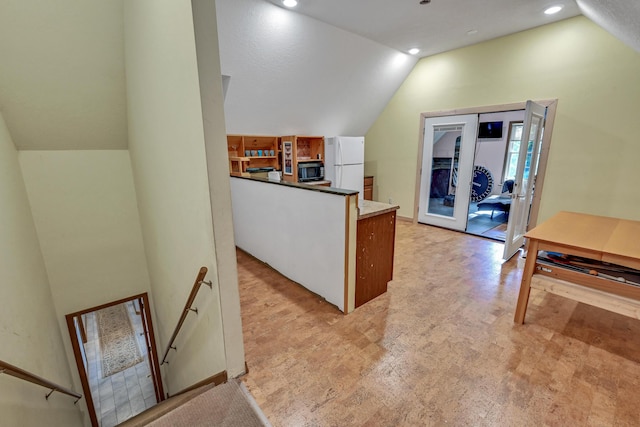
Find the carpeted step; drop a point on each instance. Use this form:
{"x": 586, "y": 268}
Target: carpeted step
{"x": 164, "y": 407}
{"x": 226, "y": 405}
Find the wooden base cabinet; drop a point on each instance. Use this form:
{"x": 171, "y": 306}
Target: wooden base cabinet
{"x": 374, "y": 255}
{"x": 368, "y": 188}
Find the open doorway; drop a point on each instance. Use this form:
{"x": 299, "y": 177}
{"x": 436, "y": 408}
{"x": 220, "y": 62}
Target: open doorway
{"x": 115, "y": 352}
{"x": 487, "y": 193}
{"x": 494, "y": 168}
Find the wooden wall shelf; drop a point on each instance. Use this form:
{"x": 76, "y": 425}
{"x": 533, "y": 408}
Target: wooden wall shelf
{"x": 304, "y": 149}
{"x": 252, "y": 151}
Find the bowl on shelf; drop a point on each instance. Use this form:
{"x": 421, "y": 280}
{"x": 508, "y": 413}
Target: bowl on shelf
{"x": 274, "y": 176}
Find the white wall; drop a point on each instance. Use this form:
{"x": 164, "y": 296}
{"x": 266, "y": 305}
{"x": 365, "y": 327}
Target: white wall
{"x": 166, "y": 142}
{"x": 291, "y": 74}
{"x": 299, "y": 232}
{"x": 29, "y": 333}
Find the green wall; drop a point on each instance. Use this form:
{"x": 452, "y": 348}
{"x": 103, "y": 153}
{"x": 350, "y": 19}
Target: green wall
{"x": 593, "y": 164}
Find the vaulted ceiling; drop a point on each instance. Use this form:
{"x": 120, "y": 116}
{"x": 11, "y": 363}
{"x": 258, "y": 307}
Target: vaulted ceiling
{"x": 436, "y": 26}
{"x": 62, "y": 80}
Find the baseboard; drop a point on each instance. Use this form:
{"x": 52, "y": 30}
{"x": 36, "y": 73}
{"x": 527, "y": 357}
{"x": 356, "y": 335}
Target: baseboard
{"x": 256, "y": 408}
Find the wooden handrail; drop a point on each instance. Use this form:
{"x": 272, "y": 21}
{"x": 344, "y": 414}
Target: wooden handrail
{"x": 14, "y": 371}
{"x": 187, "y": 308}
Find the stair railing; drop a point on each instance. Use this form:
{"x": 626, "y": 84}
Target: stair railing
{"x": 187, "y": 309}
{"x": 14, "y": 371}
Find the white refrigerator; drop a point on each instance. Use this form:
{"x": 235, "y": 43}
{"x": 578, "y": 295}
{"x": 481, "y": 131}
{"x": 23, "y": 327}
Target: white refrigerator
{"x": 344, "y": 162}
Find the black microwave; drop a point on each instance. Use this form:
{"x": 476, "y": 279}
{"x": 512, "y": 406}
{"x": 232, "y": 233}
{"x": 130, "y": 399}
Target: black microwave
{"x": 310, "y": 171}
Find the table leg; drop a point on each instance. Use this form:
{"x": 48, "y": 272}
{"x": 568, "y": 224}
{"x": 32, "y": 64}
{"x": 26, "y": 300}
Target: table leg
{"x": 525, "y": 284}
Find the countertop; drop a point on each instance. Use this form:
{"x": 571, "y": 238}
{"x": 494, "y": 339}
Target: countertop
{"x": 324, "y": 182}
{"x": 368, "y": 208}
{"x": 320, "y": 188}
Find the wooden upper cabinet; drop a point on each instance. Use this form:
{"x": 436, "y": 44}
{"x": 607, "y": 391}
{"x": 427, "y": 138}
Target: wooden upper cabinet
{"x": 297, "y": 149}
{"x": 252, "y": 151}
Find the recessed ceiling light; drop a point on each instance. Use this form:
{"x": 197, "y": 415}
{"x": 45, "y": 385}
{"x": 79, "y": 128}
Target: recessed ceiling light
{"x": 414, "y": 51}
{"x": 553, "y": 9}
{"x": 290, "y": 3}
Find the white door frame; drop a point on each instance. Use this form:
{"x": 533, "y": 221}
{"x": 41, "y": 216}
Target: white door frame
{"x": 551, "y": 105}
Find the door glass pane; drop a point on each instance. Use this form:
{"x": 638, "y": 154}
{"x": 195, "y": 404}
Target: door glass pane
{"x": 522, "y": 220}
{"x": 527, "y": 162}
{"x": 447, "y": 142}
{"x": 511, "y": 162}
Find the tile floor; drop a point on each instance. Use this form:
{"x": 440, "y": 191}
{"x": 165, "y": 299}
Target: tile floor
{"x": 481, "y": 224}
{"x": 439, "y": 348}
{"x": 124, "y": 394}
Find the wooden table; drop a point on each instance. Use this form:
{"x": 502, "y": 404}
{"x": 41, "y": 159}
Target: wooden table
{"x": 611, "y": 240}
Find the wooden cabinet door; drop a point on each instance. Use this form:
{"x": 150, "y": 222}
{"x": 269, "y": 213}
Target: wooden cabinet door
{"x": 368, "y": 188}
{"x": 374, "y": 256}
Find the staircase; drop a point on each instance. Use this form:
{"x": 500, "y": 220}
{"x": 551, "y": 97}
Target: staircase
{"x": 226, "y": 405}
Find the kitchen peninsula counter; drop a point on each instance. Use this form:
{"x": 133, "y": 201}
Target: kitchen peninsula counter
{"x": 323, "y": 183}
{"x": 368, "y": 208}
{"x": 323, "y": 238}
{"x": 305, "y": 232}
{"x": 375, "y": 243}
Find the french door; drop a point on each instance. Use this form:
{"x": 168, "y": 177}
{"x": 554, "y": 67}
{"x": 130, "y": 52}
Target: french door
{"x": 526, "y": 171}
{"x": 447, "y": 167}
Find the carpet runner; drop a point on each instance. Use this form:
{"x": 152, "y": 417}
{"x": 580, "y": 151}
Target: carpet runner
{"x": 118, "y": 345}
